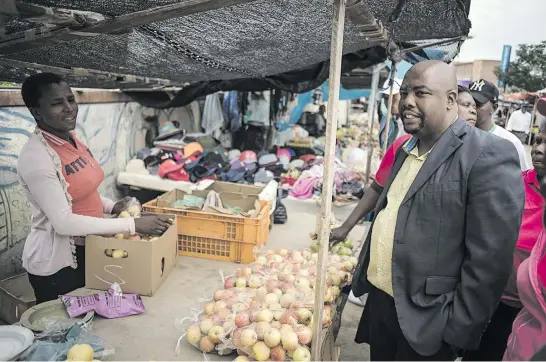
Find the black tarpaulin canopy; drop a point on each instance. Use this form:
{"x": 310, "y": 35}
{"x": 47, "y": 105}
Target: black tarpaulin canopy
{"x": 205, "y": 46}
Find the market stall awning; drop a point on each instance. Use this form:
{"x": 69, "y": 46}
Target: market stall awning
{"x": 210, "y": 45}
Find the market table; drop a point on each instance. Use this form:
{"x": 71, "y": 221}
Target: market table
{"x": 152, "y": 336}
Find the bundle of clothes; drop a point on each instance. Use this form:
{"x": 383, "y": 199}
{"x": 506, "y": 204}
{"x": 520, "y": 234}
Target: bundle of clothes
{"x": 301, "y": 175}
{"x": 305, "y": 179}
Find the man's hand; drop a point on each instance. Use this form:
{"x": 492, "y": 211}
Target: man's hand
{"x": 120, "y": 205}
{"x": 338, "y": 234}
{"x": 153, "y": 224}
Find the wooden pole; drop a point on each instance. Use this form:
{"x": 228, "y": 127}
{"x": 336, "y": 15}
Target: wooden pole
{"x": 338, "y": 25}
{"x": 372, "y": 100}
{"x": 389, "y": 110}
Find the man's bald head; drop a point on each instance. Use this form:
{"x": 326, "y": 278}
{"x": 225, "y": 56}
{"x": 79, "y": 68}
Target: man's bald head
{"x": 428, "y": 103}
{"x": 435, "y": 71}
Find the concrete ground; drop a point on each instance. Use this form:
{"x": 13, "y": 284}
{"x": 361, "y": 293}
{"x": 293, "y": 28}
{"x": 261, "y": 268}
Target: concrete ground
{"x": 152, "y": 336}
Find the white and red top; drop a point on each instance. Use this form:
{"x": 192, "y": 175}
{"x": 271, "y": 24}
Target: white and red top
{"x": 60, "y": 182}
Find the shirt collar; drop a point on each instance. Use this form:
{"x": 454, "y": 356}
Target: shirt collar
{"x": 53, "y": 139}
{"x": 410, "y": 147}
{"x": 411, "y": 144}
{"x": 56, "y": 140}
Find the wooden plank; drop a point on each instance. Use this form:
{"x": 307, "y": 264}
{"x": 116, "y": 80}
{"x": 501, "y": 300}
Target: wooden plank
{"x": 27, "y": 40}
{"x": 98, "y": 74}
{"x": 12, "y": 97}
{"x": 372, "y": 101}
{"x": 338, "y": 25}
{"x": 389, "y": 109}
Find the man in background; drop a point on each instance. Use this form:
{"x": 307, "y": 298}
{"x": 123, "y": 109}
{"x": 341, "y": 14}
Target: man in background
{"x": 486, "y": 96}
{"x": 519, "y": 123}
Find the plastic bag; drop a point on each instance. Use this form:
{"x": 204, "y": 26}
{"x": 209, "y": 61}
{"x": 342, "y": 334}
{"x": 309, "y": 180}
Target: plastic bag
{"x": 270, "y": 298}
{"x": 133, "y": 208}
{"x": 54, "y": 343}
{"x": 110, "y": 304}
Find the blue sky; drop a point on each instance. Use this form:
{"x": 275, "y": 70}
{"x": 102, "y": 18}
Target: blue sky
{"x": 499, "y": 22}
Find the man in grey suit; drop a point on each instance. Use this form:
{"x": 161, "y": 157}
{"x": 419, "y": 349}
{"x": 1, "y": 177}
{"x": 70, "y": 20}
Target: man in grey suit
{"x": 440, "y": 249}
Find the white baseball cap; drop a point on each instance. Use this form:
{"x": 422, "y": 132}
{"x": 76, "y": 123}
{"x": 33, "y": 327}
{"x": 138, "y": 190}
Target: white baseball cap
{"x": 397, "y": 82}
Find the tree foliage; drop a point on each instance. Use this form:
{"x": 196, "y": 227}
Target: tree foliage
{"x": 528, "y": 71}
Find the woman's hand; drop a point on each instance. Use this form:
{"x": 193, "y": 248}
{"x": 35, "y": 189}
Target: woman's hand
{"x": 153, "y": 224}
{"x": 121, "y": 205}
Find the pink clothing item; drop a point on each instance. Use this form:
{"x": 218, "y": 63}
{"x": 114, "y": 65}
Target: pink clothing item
{"x": 529, "y": 328}
{"x": 303, "y": 188}
{"x": 531, "y": 227}
{"x": 384, "y": 171}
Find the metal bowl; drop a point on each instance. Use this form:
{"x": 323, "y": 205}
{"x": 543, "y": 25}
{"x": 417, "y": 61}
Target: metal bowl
{"x": 41, "y": 316}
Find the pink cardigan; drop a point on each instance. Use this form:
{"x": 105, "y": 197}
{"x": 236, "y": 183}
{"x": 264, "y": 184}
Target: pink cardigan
{"x": 529, "y": 328}
{"x": 49, "y": 246}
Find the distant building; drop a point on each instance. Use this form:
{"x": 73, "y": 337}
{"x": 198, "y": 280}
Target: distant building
{"x": 478, "y": 69}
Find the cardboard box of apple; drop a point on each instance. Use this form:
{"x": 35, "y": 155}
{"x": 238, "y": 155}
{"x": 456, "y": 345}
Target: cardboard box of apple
{"x": 264, "y": 312}
{"x": 132, "y": 210}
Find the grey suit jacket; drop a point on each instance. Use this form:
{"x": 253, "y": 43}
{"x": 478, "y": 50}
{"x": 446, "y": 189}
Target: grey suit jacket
{"x": 455, "y": 237}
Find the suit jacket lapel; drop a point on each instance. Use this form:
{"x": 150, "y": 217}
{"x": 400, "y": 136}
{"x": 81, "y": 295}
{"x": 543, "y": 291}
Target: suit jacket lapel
{"x": 446, "y": 145}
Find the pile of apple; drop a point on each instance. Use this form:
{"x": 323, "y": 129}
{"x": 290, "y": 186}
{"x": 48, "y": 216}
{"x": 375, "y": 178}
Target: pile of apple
{"x": 265, "y": 311}
{"x": 344, "y": 248}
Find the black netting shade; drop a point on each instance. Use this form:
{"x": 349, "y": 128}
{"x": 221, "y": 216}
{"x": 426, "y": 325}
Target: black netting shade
{"x": 258, "y": 45}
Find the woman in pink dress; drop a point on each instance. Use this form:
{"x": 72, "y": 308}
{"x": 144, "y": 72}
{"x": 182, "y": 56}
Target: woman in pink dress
{"x": 529, "y": 329}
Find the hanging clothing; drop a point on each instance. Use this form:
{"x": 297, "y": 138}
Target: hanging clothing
{"x": 213, "y": 117}
{"x": 231, "y": 111}
{"x": 258, "y": 108}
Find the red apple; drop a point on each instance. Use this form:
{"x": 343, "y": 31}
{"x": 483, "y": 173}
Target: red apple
{"x": 229, "y": 283}
{"x": 278, "y": 354}
{"x": 242, "y": 319}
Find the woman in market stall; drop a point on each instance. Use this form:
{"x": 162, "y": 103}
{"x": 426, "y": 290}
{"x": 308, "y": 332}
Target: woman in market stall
{"x": 60, "y": 178}
{"x": 528, "y": 336}
{"x": 467, "y": 111}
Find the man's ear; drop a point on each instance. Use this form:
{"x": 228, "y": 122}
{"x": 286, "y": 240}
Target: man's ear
{"x": 34, "y": 112}
{"x": 452, "y": 99}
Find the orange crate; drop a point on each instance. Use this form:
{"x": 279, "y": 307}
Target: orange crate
{"x": 217, "y": 249}
{"x": 214, "y": 235}
{"x": 219, "y": 226}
